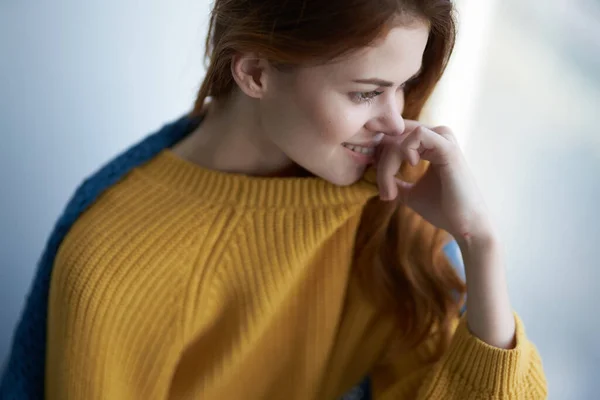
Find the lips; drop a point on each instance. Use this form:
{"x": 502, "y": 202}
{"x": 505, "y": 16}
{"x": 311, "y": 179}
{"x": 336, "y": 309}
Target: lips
{"x": 366, "y": 150}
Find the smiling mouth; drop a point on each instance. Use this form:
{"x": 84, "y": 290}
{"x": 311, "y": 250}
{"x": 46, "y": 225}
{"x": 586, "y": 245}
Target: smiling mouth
{"x": 369, "y": 151}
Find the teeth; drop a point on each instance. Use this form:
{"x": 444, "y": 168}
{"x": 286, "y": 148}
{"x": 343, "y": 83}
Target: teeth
{"x": 359, "y": 149}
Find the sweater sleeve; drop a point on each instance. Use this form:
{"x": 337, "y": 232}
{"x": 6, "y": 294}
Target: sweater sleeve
{"x": 470, "y": 369}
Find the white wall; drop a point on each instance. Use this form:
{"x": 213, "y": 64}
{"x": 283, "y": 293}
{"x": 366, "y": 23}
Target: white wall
{"x": 79, "y": 82}
{"x": 533, "y": 140}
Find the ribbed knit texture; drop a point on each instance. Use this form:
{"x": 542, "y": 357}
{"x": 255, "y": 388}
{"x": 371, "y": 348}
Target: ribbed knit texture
{"x": 180, "y": 282}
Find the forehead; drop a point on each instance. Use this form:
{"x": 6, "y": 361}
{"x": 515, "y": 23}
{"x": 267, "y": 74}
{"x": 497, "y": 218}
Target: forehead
{"x": 395, "y": 57}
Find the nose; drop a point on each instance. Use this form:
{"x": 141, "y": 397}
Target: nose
{"x": 394, "y": 122}
{"x": 390, "y": 121}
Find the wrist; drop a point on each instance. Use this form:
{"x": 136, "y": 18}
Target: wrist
{"x": 490, "y": 314}
{"x": 484, "y": 237}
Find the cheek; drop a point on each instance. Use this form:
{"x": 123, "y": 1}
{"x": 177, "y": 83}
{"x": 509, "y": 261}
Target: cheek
{"x": 324, "y": 115}
{"x": 338, "y": 118}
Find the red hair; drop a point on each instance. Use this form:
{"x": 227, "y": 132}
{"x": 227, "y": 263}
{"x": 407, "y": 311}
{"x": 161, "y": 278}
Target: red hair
{"x": 397, "y": 253}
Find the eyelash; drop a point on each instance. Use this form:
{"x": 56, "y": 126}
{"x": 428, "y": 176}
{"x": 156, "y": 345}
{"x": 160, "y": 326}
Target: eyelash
{"x": 366, "y": 97}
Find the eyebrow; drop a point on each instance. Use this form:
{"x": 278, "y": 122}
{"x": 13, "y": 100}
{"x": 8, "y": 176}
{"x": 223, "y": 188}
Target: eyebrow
{"x": 381, "y": 82}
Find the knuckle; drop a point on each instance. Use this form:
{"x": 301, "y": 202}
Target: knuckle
{"x": 446, "y": 132}
{"x": 421, "y": 130}
{"x": 443, "y": 129}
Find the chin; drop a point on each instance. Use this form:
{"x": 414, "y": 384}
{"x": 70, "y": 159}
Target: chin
{"x": 337, "y": 171}
{"x": 344, "y": 179}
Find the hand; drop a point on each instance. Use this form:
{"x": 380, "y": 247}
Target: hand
{"x": 447, "y": 195}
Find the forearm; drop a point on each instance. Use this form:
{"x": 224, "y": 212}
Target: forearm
{"x": 489, "y": 313}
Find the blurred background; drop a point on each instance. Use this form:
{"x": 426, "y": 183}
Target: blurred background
{"x": 81, "y": 81}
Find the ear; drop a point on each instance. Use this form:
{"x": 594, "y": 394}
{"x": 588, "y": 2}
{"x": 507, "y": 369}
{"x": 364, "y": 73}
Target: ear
{"x": 250, "y": 73}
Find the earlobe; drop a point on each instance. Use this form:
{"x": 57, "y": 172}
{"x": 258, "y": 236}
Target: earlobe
{"x": 249, "y": 73}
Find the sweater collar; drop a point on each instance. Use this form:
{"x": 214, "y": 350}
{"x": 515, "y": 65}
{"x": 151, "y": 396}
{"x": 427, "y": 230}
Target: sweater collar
{"x": 247, "y": 191}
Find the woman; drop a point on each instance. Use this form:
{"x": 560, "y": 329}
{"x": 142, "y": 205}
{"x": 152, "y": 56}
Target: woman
{"x": 247, "y": 251}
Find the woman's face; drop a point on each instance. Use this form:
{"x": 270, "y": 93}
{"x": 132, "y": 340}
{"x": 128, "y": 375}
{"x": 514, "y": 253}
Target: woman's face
{"x": 328, "y": 118}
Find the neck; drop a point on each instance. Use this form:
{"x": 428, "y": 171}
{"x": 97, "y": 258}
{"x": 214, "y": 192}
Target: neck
{"x": 231, "y": 139}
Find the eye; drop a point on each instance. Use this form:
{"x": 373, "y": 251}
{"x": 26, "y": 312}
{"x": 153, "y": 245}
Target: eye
{"x": 365, "y": 97}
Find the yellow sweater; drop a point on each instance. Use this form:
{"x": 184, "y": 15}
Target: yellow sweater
{"x": 186, "y": 283}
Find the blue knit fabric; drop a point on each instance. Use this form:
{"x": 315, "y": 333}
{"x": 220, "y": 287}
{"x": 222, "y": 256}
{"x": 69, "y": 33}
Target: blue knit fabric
{"x": 23, "y": 378}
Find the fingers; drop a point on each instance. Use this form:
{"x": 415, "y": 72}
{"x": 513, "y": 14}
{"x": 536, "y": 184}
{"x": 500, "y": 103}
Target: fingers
{"x": 410, "y": 125}
{"x": 389, "y": 163}
{"x": 436, "y": 145}
{"x": 427, "y": 144}
{"x": 403, "y": 184}
{"x": 441, "y": 130}
{"x": 446, "y": 133}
